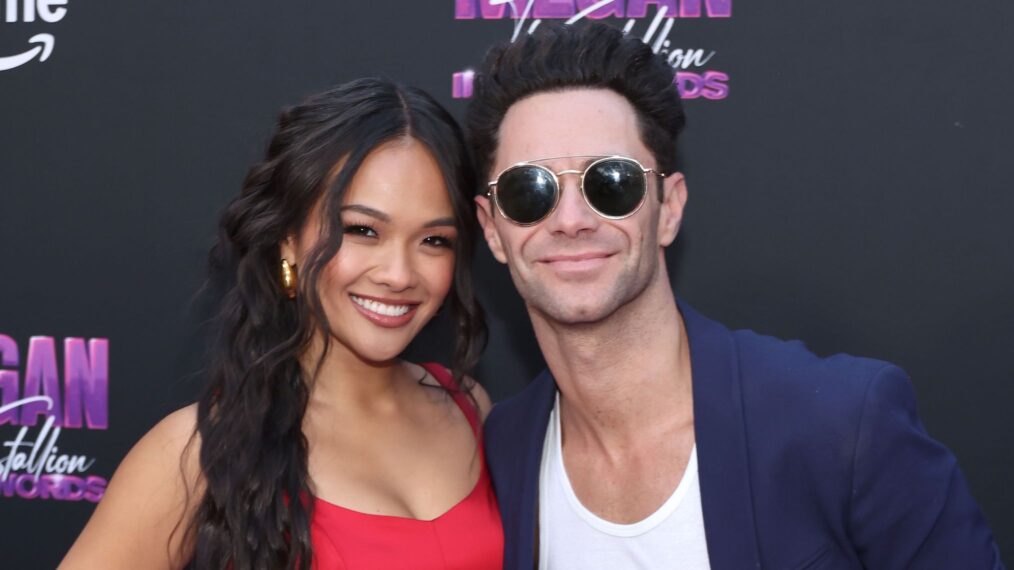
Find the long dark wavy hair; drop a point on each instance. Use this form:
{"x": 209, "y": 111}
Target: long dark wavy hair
{"x": 257, "y": 499}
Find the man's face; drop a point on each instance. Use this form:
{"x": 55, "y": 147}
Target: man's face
{"x": 576, "y": 266}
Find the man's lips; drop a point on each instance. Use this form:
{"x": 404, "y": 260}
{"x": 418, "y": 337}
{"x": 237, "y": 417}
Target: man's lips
{"x": 576, "y": 262}
{"x": 572, "y": 257}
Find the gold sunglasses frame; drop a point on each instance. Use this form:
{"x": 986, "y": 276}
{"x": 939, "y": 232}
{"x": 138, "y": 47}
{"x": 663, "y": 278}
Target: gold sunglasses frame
{"x": 491, "y": 186}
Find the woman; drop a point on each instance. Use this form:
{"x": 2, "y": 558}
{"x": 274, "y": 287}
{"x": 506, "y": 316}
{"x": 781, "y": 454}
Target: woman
{"x": 313, "y": 444}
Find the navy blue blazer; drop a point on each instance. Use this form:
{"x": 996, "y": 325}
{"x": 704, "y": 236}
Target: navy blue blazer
{"x": 804, "y": 462}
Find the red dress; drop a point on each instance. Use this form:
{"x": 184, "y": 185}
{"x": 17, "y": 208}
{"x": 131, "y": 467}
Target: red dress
{"x": 468, "y": 536}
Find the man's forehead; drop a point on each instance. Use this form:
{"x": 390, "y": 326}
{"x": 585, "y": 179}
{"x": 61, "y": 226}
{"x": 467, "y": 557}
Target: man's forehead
{"x": 574, "y": 122}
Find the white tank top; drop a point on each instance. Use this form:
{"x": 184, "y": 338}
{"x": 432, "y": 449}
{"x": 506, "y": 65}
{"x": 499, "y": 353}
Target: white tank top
{"x": 571, "y": 536}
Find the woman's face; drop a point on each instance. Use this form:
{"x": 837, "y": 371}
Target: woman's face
{"x": 396, "y": 261}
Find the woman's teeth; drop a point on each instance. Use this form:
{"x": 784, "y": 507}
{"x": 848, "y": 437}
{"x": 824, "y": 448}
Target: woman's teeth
{"x": 380, "y": 308}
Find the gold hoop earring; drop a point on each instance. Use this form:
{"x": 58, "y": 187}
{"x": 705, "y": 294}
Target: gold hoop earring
{"x": 289, "y": 279}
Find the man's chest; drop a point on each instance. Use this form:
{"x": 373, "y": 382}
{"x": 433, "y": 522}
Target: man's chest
{"x": 627, "y": 486}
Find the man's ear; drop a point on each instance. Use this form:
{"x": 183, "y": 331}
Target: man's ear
{"x": 485, "y": 214}
{"x": 670, "y": 215}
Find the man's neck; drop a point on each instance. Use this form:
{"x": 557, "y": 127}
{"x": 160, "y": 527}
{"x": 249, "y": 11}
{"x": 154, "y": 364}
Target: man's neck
{"x": 624, "y": 375}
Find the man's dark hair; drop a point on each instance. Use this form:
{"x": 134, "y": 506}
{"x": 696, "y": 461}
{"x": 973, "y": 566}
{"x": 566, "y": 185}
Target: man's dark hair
{"x": 589, "y": 55}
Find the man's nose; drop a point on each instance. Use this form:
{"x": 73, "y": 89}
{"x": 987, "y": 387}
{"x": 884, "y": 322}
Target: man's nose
{"x": 572, "y": 215}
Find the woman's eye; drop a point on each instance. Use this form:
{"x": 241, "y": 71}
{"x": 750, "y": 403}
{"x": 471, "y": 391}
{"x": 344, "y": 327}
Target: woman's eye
{"x": 364, "y": 231}
{"x": 438, "y": 241}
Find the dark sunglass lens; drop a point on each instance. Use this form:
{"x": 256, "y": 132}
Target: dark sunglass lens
{"x": 615, "y": 187}
{"x": 526, "y": 193}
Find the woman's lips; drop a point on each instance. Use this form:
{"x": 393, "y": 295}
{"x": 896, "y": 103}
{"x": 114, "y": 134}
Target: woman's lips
{"x": 385, "y": 312}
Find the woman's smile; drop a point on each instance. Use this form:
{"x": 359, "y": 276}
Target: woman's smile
{"x": 383, "y": 312}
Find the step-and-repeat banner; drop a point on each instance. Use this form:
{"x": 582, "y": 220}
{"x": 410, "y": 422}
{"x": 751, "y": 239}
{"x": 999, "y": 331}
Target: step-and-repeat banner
{"x": 848, "y": 167}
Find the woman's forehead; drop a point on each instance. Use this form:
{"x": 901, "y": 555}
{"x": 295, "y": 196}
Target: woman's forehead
{"x": 401, "y": 179}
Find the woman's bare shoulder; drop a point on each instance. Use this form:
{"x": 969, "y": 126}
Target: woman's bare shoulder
{"x": 142, "y": 518}
{"x": 169, "y": 452}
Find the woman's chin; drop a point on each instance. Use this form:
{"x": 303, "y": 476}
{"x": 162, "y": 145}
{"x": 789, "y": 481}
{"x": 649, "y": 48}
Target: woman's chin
{"x": 381, "y": 357}
{"x": 379, "y": 352}
{"x": 374, "y": 343}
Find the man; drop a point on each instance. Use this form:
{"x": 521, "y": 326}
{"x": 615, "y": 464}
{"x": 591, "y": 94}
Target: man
{"x": 658, "y": 438}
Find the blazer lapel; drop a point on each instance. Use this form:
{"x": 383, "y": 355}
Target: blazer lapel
{"x": 722, "y": 453}
{"x": 521, "y": 518}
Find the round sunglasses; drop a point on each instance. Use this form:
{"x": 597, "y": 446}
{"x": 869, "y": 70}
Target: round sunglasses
{"x": 614, "y": 187}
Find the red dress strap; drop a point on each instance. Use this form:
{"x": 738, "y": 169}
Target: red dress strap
{"x": 461, "y": 397}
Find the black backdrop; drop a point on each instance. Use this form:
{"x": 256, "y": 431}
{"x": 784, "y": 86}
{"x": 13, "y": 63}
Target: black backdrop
{"x": 853, "y": 190}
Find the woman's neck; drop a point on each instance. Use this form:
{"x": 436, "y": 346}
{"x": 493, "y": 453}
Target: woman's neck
{"x": 343, "y": 379}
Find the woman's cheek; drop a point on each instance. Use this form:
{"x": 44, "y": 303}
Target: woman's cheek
{"x": 439, "y": 276}
{"x": 342, "y": 269}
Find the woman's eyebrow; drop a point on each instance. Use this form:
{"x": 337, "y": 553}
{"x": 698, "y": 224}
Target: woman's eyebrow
{"x": 375, "y": 213}
{"x": 366, "y": 210}
{"x": 439, "y": 222}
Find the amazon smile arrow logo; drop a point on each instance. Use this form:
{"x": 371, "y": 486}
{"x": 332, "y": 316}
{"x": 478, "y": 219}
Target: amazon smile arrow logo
{"x": 45, "y": 48}
{"x": 28, "y": 11}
